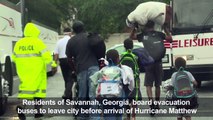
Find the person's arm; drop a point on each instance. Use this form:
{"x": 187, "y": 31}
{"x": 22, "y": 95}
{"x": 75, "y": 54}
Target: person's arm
{"x": 45, "y": 54}
{"x": 71, "y": 58}
{"x": 133, "y": 25}
{"x": 95, "y": 77}
{"x": 194, "y": 82}
{"x": 133, "y": 34}
{"x": 166, "y": 26}
{"x": 56, "y": 53}
{"x": 168, "y": 85}
{"x": 128, "y": 77}
{"x": 69, "y": 51}
{"x": 71, "y": 62}
{"x": 131, "y": 79}
{"x": 55, "y": 59}
{"x": 168, "y": 34}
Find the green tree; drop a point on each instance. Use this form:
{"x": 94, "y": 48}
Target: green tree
{"x": 105, "y": 16}
{"x": 49, "y": 12}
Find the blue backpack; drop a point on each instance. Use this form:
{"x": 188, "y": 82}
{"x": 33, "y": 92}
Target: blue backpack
{"x": 184, "y": 90}
{"x": 182, "y": 85}
{"x": 143, "y": 56}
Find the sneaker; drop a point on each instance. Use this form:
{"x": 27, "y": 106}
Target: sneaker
{"x": 21, "y": 116}
{"x": 64, "y": 97}
{"x": 157, "y": 107}
{"x": 152, "y": 108}
{"x": 38, "y": 115}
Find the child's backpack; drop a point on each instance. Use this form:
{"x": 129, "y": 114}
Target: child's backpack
{"x": 111, "y": 84}
{"x": 130, "y": 60}
{"x": 184, "y": 90}
{"x": 143, "y": 56}
{"x": 182, "y": 85}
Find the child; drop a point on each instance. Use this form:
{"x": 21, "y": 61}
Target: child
{"x": 180, "y": 64}
{"x": 131, "y": 60}
{"x": 110, "y": 81}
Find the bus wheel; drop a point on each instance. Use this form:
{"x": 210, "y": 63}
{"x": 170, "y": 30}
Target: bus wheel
{"x": 9, "y": 74}
{"x": 3, "y": 97}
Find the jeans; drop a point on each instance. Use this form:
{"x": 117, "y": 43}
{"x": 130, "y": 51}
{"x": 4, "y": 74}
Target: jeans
{"x": 87, "y": 88}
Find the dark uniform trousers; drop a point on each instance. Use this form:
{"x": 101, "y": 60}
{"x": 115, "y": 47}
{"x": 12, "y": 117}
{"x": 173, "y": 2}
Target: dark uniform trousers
{"x": 68, "y": 79}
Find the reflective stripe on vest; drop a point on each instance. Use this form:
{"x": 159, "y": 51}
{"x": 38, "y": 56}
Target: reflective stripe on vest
{"x": 43, "y": 51}
{"x": 31, "y": 92}
{"x": 27, "y": 55}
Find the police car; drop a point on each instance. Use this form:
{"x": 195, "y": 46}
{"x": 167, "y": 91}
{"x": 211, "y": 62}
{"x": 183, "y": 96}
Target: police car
{"x": 120, "y": 47}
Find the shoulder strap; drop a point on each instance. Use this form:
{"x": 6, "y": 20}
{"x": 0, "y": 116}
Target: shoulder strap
{"x": 128, "y": 54}
{"x": 181, "y": 69}
{"x": 132, "y": 56}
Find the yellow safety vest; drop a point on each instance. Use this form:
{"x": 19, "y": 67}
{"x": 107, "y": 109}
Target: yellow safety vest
{"x": 30, "y": 56}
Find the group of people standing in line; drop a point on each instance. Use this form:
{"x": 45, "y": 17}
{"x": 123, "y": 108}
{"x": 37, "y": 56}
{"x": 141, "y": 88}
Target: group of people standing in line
{"x": 153, "y": 16}
{"x": 79, "y": 63}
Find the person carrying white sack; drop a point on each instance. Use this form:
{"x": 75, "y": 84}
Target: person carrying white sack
{"x": 158, "y": 12}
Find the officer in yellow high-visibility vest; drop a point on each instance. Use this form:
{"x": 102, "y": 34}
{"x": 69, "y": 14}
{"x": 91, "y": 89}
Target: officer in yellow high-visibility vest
{"x": 31, "y": 57}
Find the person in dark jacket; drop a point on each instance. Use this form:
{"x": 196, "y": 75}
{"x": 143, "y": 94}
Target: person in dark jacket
{"x": 85, "y": 61}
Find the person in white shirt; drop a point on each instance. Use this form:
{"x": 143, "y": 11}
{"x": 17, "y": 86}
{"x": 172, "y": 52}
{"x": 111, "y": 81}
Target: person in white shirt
{"x": 59, "y": 55}
{"x": 158, "y": 12}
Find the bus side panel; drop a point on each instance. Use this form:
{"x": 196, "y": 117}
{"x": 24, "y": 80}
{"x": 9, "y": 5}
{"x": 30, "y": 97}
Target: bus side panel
{"x": 48, "y": 36}
{"x": 6, "y": 46}
{"x": 197, "y": 52}
{"x": 10, "y": 20}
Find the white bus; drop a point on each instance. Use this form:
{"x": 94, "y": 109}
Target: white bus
{"x": 10, "y": 32}
{"x": 192, "y": 29}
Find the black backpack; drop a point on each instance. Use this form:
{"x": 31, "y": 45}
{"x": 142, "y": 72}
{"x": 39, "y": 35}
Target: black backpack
{"x": 153, "y": 43}
{"x": 97, "y": 45}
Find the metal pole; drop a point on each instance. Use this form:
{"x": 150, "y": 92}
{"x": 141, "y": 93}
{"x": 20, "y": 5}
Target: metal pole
{"x": 22, "y": 14}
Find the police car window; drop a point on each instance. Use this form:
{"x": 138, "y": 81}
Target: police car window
{"x": 120, "y": 49}
{"x": 136, "y": 46}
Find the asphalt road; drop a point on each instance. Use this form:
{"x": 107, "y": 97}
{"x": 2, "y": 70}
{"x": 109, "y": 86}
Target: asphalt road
{"x": 56, "y": 87}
